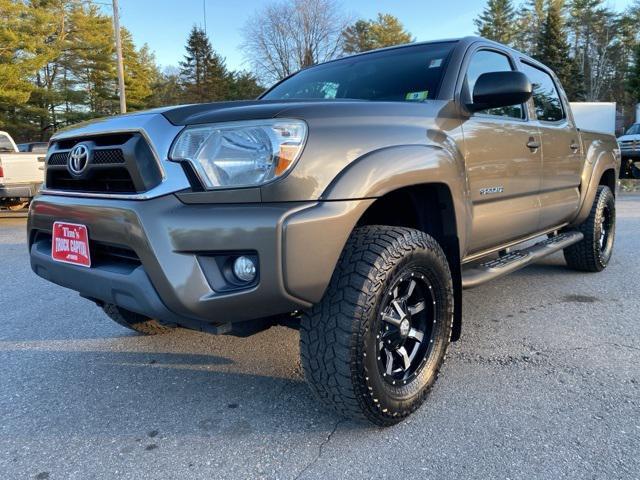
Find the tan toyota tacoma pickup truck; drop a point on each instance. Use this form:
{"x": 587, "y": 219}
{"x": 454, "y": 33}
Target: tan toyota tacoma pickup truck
{"x": 353, "y": 200}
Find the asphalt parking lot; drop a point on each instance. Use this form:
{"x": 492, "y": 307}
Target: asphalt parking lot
{"x": 545, "y": 383}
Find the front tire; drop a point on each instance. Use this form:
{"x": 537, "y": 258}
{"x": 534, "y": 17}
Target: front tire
{"x": 593, "y": 252}
{"x": 135, "y": 321}
{"x": 372, "y": 348}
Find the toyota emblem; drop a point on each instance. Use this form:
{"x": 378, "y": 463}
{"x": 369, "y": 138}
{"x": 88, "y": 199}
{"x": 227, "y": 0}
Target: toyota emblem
{"x": 78, "y": 159}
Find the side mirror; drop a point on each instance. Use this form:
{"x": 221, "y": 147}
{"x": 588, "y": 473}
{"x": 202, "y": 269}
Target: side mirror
{"x": 500, "y": 89}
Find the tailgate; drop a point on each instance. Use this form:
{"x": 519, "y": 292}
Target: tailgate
{"x": 22, "y": 167}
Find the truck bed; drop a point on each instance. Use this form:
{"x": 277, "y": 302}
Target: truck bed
{"x": 21, "y": 169}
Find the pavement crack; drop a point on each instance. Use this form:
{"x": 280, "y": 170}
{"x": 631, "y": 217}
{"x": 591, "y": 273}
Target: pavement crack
{"x": 320, "y": 448}
{"x": 622, "y": 345}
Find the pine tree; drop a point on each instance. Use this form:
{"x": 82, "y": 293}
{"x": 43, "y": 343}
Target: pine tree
{"x": 385, "y": 31}
{"x": 575, "y": 86}
{"x": 633, "y": 81}
{"x": 244, "y": 86}
{"x": 357, "y": 37}
{"x": 92, "y": 53}
{"x": 140, "y": 73}
{"x": 497, "y": 21}
{"x": 529, "y": 24}
{"x": 29, "y": 38}
{"x": 167, "y": 89}
{"x": 203, "y": 73}
{"x": 553, "y": 50}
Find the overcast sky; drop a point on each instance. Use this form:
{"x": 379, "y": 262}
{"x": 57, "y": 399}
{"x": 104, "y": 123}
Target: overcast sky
{"x": 165, "y": 24}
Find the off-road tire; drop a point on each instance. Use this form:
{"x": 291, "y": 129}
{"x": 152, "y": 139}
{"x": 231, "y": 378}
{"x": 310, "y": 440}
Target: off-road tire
{"x": 337, "y": 334}
{"x": 135, "y": 321}
{"x": 588, "y": 255}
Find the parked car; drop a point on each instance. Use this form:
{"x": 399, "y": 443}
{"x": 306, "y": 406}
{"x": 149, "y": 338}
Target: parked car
{"x": 33, "y": 147}
{"x": 354, "y": 200}
{"x": 21, "y": 174}
{"x": 630, "y": 150}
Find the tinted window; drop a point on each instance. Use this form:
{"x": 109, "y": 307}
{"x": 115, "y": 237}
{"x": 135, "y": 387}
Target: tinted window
{"x": 486, "y": 61}
{"x": 403, "y": 74}
{"x": 5, "y": 144}
{"x": 545, "y": 95}
{"x": 634, "y": 130}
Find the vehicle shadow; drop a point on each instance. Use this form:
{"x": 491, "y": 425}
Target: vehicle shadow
{"x": 232, "y": 390}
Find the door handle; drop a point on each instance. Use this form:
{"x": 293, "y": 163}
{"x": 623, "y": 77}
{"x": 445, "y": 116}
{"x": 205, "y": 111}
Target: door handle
{"x": 574, "y": 146}
{"x": 533, "y": 144}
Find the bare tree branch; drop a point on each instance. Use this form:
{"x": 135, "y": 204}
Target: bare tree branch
{"x": 288, "y": 35}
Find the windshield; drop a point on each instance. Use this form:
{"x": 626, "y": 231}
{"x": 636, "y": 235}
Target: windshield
{"x": 410, "y": 74}
{"x": 634, "y": 130}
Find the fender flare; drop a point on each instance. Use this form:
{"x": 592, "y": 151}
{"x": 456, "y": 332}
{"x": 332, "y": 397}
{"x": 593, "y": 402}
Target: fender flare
{"x": 383, "y": 171}
{"x": 600, "y": 161}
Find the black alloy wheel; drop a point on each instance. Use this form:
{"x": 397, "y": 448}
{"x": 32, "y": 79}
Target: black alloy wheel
{"x": 405, "y": 332}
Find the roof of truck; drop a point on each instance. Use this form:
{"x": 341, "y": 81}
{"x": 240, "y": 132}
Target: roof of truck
{"x": 463, "y": 42}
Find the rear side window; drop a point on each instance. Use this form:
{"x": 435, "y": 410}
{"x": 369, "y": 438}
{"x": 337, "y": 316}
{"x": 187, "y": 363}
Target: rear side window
{"x": 487, "y": 61}
{"x": 5, "y": 144}
{"x": 545, "y": 95}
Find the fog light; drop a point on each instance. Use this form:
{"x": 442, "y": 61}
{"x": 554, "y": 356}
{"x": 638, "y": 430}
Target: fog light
{"x": 244, "y": 269}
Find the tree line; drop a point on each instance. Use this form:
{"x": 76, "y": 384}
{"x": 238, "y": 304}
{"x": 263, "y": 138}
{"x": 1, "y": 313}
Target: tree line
{"x": 58, "y": 65}
{"x": 58, "y": 68}
{"x": 594, "y": 50}
{"x": 57, "y": 57}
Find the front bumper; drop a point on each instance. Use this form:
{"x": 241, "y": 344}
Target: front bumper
{"x": 630, "y": 154}
{"x": 27, "y": 190}
{"x": 297, "y": 244}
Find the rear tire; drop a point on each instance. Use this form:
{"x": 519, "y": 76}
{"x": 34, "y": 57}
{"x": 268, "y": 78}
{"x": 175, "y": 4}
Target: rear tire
{"x": 135, "y": 321}
{"x": 593, "y": 252}
{"x": 359, "y": 355}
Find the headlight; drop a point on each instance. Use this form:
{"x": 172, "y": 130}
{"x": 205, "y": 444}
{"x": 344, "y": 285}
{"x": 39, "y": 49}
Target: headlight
{"x": 241, "y": 154}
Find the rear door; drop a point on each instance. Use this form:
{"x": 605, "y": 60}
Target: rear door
{"x": 562, "y": 156}
{"x": 503, "y": 162}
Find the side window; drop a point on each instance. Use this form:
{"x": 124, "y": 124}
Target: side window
{"x": 545, "y": 95}
{"x": 486, "y": 61}
{"x": 5, "y": 144}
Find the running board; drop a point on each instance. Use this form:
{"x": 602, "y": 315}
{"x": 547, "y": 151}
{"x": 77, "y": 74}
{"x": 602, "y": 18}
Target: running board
{"x": 517, "y": 259}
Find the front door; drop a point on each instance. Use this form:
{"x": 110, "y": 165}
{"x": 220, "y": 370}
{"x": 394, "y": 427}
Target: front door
{"x": 503, "y": 163}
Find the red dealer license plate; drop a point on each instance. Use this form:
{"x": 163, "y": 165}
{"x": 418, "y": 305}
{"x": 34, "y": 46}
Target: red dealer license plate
{"x": 70, "y": 244}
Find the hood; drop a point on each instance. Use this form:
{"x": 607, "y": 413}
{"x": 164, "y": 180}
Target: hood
{"x": 624, "y": 138}
{"x": 303, "y": 109}
{"x": 236, "y": 110}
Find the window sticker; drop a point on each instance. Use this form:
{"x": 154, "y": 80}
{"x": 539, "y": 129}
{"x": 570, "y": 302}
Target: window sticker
{"x": 435, "y": 63}
{"x": 417, "y": 96}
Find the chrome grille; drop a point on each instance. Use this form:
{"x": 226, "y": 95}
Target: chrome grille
{"x": 101, "y": 157}
{"x": 109, "y": 156}
{"x": 121, "y": 163}
{"x": 58, "y": 159}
